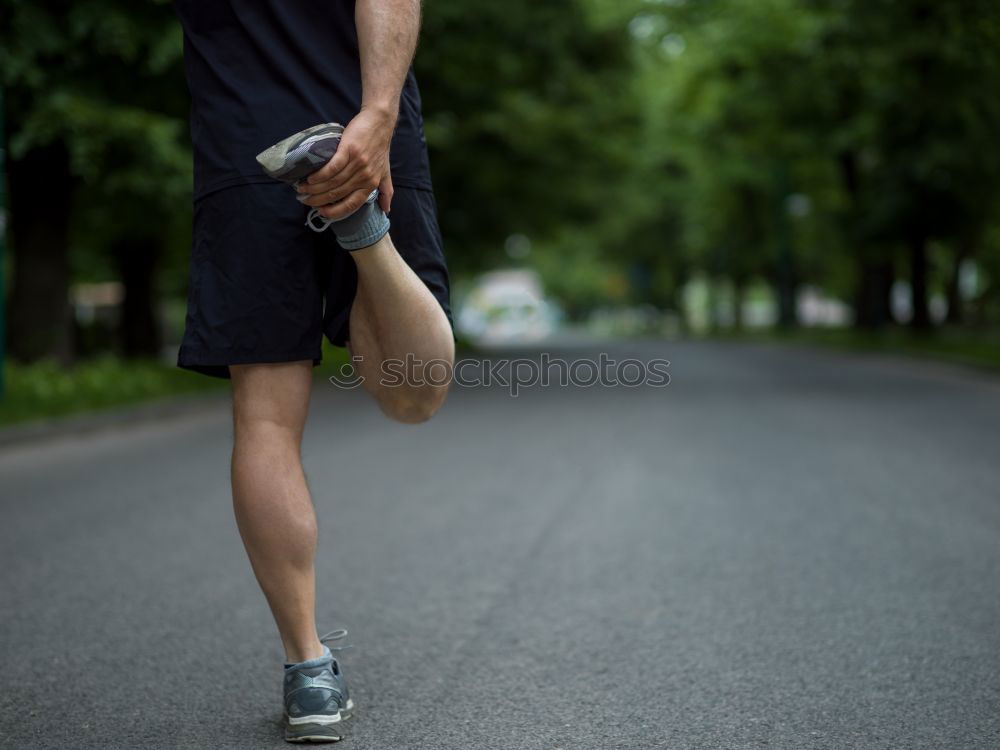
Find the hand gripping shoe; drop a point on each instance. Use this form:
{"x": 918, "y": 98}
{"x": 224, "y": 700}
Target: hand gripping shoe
{"x": 296, "y": 157}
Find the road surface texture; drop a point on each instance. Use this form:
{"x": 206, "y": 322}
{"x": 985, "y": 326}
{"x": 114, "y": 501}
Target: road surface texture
{"x": 784, "y": 548}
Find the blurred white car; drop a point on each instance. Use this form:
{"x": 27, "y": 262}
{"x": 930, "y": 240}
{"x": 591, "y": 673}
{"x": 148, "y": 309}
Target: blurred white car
{"x": 507, "y": 307}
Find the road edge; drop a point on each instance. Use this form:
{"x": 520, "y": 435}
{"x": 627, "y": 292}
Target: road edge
{"x": 165, "y": 408}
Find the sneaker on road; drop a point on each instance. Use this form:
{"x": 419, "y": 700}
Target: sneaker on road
{"x": 317, "y": 700}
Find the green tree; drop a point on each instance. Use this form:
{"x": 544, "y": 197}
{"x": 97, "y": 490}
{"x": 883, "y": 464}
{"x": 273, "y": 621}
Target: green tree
{"x": 529, "y": 111}
{"x": 914, "y": 137}
{"x": 95, "y": 116}
{"x": 869, "y": 113}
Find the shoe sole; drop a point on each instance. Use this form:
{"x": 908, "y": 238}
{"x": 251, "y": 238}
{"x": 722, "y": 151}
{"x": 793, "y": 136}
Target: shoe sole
{"x": 313, "y": 733}
{"x": 324, "y": 729}
{"x": 290, "y": 160}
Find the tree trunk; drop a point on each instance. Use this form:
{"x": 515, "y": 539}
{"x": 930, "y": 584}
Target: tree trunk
{"x": 873, "y": 298}
{"x": 921, "y": 320}
{"x": 786, "y": 275}
{"x": 140, "y": 325}
{"x": 788, "y": 314}
{"x": 675, "y": 299}
{"x": 873, "y": 293}
{"x": 956, "y": 315}
{"x": 739, "y": 294}
{"x": 39, "y": 309}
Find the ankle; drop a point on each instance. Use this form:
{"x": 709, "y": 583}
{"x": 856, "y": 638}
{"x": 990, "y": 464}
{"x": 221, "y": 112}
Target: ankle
{"x": 299, "y": 652}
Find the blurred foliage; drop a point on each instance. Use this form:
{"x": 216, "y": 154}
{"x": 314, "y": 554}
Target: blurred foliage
{"x": 101, "y": 77}
{"x": 527, "y": 111}
{"x": 819, "y": 139}
{"x": 844, "y": 144}
{"x": 47, "y": 389}
{"x": 99, "y": 166}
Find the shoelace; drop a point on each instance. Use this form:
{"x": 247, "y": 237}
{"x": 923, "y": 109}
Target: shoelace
{"x": 335, "y": 635}
{"x": 324, "y": 223}
{"x": 321, "y": 227}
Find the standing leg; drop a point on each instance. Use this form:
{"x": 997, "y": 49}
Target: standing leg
{"x": 274, "y": 511}
{"x": 396, "y": 318}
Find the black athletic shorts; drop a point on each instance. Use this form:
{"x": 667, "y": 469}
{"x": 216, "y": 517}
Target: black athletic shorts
{"x": 266, "y": 288}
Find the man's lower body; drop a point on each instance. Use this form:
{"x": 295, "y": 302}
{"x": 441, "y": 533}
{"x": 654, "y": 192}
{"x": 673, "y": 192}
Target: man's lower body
{"x": 264, "y": 291}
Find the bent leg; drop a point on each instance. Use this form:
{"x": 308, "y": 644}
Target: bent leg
{"x": 396, "y": 322}
{"x": 274, "y": 511}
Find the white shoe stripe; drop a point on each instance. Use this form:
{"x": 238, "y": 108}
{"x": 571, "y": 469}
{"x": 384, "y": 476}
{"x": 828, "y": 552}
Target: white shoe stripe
{"x": 322, "y": 720}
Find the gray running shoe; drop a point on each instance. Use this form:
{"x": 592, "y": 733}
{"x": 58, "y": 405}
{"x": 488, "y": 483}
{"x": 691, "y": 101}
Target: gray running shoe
{"x": 299, "y": 155}
{"x": 316, "y": 697}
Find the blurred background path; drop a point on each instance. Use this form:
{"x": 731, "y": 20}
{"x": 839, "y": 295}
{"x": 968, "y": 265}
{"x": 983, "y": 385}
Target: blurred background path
{"x": 783, "y": 548}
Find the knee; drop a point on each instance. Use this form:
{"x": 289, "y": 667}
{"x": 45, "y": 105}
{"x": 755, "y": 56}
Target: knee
{"x": 413, "y": 405}
{"x": 271, "y": 401}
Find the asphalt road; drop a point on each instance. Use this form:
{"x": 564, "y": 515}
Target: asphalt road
{"x": 781, "y": 549}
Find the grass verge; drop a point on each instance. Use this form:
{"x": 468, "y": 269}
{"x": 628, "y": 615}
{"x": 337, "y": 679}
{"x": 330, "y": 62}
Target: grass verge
{"x": 47, "y": 390}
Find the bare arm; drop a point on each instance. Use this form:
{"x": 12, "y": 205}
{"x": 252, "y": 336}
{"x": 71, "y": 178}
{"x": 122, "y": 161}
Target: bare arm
{"x": 387, "y": 38}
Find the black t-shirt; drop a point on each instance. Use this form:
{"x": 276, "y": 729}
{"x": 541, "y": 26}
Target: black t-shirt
{"x": 260, "y": 70}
